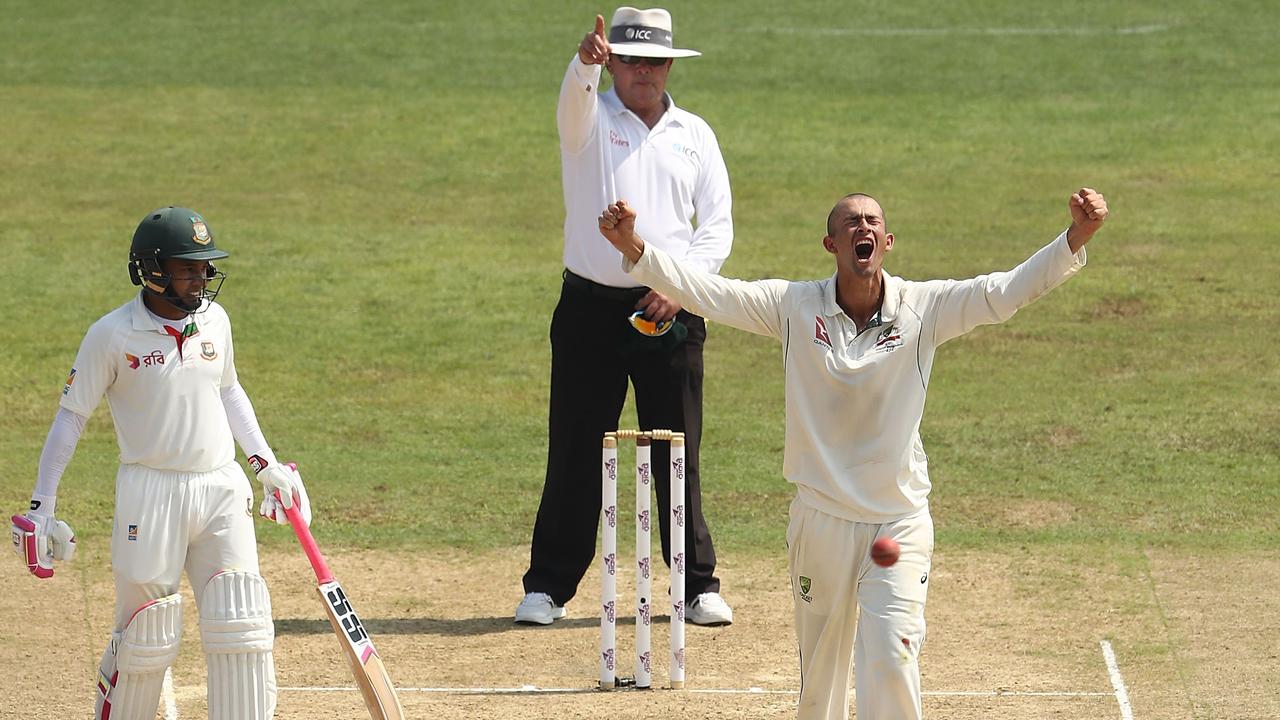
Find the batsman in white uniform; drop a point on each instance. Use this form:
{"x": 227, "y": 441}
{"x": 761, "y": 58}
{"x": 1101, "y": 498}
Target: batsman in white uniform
{"x": 166, "y": 364}
{"x": 858, "y": 350}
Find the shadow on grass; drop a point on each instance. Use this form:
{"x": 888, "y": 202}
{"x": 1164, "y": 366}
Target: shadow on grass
{"x": 437, "y": 626}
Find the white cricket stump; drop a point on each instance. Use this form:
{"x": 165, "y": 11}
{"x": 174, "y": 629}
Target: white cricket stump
{"x": 644, "y": 583}
{"x": 609, "y": 559}
{"x": 644, "y": 561}
{"x": 677, "y": 562}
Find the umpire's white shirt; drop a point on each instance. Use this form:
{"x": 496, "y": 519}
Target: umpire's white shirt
{"x": 167, "y": 405}
{"x": 854, "y": 400}
{"x": 673, "y": 174}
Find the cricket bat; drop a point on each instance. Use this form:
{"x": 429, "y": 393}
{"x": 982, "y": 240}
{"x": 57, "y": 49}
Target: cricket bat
{"x": 370, "y": 674}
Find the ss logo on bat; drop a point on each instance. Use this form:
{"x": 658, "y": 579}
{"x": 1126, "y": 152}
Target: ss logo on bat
{"x": 350, "y": 621}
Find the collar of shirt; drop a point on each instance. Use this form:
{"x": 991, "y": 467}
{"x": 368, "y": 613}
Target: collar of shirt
{"x": 672, "y": 116}
{"x": 146, "y": 321}
{"x": 888, "y": 306}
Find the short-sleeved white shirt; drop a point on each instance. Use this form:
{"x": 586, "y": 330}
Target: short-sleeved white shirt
{"x": 167, "y": 404}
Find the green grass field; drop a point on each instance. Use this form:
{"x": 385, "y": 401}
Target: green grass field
{"x": 387, "y": 181}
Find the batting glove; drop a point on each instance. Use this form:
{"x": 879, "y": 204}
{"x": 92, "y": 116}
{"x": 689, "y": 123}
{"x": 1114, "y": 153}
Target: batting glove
{"x": 40, "y": 539}
{"x": 281, "y": 489}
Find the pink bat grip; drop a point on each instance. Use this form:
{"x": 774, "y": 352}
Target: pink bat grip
{"x": 321, "y": 568}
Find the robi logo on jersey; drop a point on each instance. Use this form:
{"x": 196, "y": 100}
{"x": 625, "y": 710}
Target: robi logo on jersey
{"x": 155, "y": 357}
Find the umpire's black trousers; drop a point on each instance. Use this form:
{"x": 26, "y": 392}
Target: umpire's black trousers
{"x": 594, "y": 350}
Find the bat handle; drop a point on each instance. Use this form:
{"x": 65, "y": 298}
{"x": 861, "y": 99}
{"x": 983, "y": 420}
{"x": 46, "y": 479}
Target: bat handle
{"x": 321, "y": 568}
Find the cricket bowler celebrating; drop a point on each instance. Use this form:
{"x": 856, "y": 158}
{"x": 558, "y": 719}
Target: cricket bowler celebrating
{"x": 165, "y": 362}
{"x": 858, "y": 351}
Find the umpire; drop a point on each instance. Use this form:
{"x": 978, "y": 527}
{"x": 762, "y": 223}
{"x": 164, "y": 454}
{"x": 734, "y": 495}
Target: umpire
{"x": 634, "y": 140}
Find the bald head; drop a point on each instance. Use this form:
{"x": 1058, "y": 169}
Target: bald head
{"x": 841, "y": 209}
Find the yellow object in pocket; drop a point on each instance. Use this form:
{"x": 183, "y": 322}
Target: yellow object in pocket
{"x": 645, "y": 326}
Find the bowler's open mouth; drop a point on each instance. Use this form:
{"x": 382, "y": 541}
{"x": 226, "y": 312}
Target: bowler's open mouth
{"x": 863, "y": 249}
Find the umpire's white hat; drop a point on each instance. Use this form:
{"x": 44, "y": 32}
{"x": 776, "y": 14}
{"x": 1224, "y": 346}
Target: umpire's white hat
{"x": 644, "y": 33}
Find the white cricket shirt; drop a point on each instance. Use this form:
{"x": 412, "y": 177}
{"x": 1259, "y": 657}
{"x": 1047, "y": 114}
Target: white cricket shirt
{"x": 674, "y": 175}
{"x": 855, "y": 400}
{"x": 167, "y": 405}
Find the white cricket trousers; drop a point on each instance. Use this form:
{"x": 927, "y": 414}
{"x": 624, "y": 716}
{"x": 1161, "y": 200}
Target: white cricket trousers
{"x": 852, "y": 614}
{"x": 168, "y": 521}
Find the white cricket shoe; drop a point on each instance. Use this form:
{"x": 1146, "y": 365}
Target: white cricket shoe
{"x": 538, "y": 609}
{"x": 709, "y": 609}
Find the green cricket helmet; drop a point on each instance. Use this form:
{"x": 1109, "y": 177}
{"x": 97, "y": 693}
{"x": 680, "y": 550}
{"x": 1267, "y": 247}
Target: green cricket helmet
{"x": 178, "y": 233}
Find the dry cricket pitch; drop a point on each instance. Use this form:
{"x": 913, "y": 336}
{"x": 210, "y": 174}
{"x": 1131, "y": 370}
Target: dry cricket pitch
{"x": 1017, "y": 636}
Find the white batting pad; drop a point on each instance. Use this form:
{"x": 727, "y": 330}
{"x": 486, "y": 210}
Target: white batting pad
{"x": 132, "y": 671}
{"x": 235, "y": 624}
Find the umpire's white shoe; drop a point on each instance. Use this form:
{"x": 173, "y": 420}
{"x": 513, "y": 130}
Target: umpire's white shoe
{"x": 538, "y": 609}
{"x": 709, "y": 609}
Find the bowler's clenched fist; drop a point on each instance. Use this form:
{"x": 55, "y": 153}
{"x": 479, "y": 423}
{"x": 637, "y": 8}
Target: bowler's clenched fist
{"x": 618, "y": 217}
{"x": 1088, "y": 212}
{"x": 618, "y": 226}
{"x": 1088, "y": 205}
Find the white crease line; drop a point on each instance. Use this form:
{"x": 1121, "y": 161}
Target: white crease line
{"x": 1014, "y": 693}
{"x": 1117, "y": 682}
{"x": 534, "y": 690}
{"x": 917, "y": 32}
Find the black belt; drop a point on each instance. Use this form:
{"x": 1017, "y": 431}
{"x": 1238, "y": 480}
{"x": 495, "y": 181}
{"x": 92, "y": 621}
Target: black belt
{"x": 608, "y": 292}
